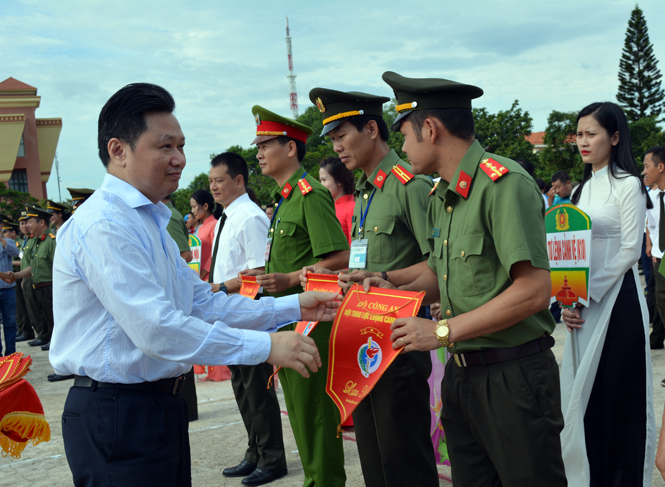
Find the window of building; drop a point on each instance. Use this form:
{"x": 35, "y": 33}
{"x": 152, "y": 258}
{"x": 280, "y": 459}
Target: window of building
{"x": 21, "y": 149}
{"x": 19, "y": 180}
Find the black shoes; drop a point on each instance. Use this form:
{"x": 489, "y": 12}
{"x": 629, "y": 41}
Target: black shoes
{"x": 57, "y": 377}
{"x": 38, "y": 342}
{"x": 23, "y": 338}
{"x": 46, "y": 347}
{"x": 243, "y": 469}
{"x": 264, "y": 476}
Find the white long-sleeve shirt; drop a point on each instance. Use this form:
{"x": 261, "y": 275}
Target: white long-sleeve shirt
{"x": 128, "y": 309}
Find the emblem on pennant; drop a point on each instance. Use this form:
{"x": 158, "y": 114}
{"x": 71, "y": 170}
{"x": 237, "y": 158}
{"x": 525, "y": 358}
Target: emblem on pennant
{"x": 380, "y": 179}
{"x": 320, "y": 105}
{"x": 369, "y": 357}
{"x": 402, "y": 174}
{"x": 493, "y": 169}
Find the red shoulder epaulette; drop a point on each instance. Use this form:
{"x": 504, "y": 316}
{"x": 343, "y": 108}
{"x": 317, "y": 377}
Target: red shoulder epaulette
{"x": 51, "y": 235}
{"x": 380, "y": 179}
{"x": 286, "y": 192}
{"x": 493, "y": 169}
{"x": 402, "y": 174}
{"x": 305, "y": 187}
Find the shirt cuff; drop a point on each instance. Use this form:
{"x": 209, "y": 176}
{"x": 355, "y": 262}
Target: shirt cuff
{"x": 256, "y": 347}
{"x": 287, "y": 310}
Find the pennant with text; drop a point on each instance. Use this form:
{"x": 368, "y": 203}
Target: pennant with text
{"x": 327, "y": 283}
{"x": 360, "y": 346}
{"x": 249, "y": 287}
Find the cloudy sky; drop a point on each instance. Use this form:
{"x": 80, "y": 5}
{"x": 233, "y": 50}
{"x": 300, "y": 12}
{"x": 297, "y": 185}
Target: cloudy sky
{"x": 220, "y": 57}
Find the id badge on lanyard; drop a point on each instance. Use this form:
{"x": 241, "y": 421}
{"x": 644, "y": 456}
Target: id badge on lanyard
{"x": 358, "y": 255}
{"x": 268, "y": 245}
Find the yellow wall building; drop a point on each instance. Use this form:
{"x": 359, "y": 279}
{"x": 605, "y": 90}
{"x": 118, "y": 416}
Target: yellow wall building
{"x": 27, "y": 143}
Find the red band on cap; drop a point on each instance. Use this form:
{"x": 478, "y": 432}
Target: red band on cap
{"x": 274, "y": 128}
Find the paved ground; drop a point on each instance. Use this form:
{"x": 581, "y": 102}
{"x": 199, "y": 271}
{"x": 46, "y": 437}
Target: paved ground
{"x": 217, "y": 438}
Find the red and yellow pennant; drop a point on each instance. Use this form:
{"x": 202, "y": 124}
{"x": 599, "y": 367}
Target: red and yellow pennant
{"x": 360, "y": 346}
{"x": 249, "y": 287}
{"x": 327, "y": 283}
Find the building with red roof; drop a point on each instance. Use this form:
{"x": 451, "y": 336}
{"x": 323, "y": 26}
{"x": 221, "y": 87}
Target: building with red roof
{"x": 27, "y": 143}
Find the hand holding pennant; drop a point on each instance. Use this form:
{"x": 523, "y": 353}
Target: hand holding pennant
{"x": 360, "y": 346}
{"x": 249, "y": 286}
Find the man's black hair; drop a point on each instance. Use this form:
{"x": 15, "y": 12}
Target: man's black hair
{"x": 561, "y": 176}
{"x": 540, "y": 183}
{"x": 300, "y": 146}
{"x": 123, "y": 116}
{"x": 360, "y": 121}
{"x": 458, "y": 122}
{"x": 527, "y": 166}
{"x": 235, "y": 165}
{"x": 657, "y": 154}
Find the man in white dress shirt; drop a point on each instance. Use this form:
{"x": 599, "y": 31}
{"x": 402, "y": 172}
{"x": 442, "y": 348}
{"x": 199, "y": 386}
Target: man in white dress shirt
{"x": 131, "y": 316}
{"x": 239, "y": 244}
{"x": 654, "y": 170}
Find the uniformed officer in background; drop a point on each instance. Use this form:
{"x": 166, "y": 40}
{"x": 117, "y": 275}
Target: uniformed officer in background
{"x": 59, "y": 214}
{"x": 304, "y": 231}
{"x": 388, "y": 233}
{"x": 24, "y": 319}
{"x": 488, "y": 264}
{"x": 79, "y": 195}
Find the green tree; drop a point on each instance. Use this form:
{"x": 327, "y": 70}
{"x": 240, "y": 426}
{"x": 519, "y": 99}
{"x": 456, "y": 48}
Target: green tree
{"x": 644, "y": 134}
{"x": 180, "y": 198}
{"x": 640, "y": 93}
{"x": 13, "y": 202}
{"x": 504, "y": 133}
{"x": 560, "y": 153}
{"x": 395, "y": 139}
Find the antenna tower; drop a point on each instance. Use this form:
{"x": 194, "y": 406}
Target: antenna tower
{"x": 57, "y": 173}
{"x": 293, "y": 94}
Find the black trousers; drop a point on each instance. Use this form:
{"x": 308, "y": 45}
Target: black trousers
{"x": 259, "y": 408}
{"x": 502, "y": 423}
{"x": 23, "y": 324}
{"x": 657, "y": 336}
{"x": 125, "y": 438}
{"x": 40, "y": 308}
{"x": 618, "y": 398}
{"x": 393, "y": 426}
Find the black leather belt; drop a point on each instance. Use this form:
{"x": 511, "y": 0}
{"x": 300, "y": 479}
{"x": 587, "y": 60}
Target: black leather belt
{"x": 163, "y": 386}
{"x": 496, "y": 355}
{"x": 41, "y": 285}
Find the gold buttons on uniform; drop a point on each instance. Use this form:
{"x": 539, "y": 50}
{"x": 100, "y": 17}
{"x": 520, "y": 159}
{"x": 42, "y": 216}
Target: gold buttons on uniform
{"x": 282, "y": 231}
{"x": 448, "y": 312}
{"x": 462, "y": 253}
{"x": 445, "y": 277}
{"x": 450, "y": 209}
{"x": 365, "y": 196}
{"x": 272, "y": 230}
{"x": 445, "y": 242}
{"x": 376, "y": 229}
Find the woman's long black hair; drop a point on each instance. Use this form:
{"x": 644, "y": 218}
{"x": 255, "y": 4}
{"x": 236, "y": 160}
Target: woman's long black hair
{"x": 611, "y": 117}
{"x": 202, "y": 197}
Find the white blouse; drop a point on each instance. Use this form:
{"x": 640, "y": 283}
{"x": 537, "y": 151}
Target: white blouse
{"x": 617, "y": 208}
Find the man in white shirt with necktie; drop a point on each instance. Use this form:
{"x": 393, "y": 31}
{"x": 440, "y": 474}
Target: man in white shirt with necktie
{"x": 131, "y": 316}
{"x": 239, "y": 244}
{"x": 654, "y": 170}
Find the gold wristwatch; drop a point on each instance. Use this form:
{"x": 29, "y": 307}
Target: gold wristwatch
{"x": 442, "y": 332}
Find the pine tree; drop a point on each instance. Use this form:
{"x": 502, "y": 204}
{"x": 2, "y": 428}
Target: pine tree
{"x": 639, "y": 93}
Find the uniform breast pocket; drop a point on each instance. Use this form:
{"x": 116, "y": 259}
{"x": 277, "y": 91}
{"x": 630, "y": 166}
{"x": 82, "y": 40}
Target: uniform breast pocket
{"x": 470, "y": 271}
{"x": 285, "y": 241}
{"x": 381, "y": 240}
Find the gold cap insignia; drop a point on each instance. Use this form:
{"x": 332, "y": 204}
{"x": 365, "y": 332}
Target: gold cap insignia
{"x": 320, "y": 105}
{"x": 257, "y": 118}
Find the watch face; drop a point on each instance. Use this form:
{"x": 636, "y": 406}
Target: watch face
{"x": 442, "y": 331}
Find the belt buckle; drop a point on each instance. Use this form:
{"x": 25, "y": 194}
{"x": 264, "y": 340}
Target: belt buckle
{"x": 459, "y": 359}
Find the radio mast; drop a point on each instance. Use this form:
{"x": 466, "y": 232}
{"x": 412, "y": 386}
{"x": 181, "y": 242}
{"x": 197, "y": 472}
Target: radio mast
{"x": 293, "y": 94}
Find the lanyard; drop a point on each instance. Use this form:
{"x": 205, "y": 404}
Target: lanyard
{"x": 364, "y": 215}
{"x": 280, "y": 204}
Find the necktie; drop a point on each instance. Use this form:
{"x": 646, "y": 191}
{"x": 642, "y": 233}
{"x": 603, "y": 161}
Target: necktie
{"x": 661, "y": 223}
{"x": 214, "y": 251}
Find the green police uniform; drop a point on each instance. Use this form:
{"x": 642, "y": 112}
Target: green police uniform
{"x": 501, "y": 402}
{"x": 303, "y": 230}
{"x": 79, "y": 195}
{"x": 395, "y": 230}
{"x": 177, "y": 229}
{"x": 25, "y": 317}
{"x": 41, "y": 264}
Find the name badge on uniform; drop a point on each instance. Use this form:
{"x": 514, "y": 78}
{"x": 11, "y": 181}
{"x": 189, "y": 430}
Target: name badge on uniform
{"x": 436, "y": 232}
{"x": 358, "y": 256}
{"x": 268, "y": 245}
